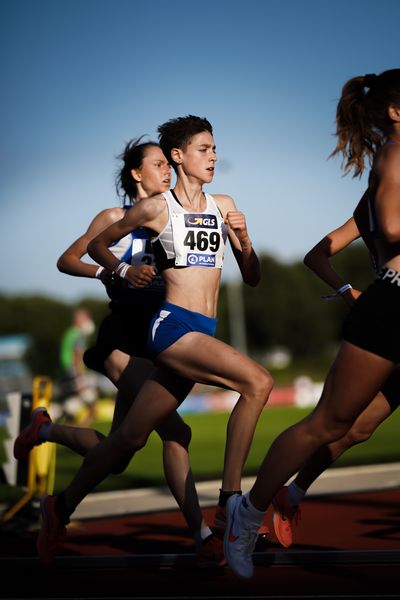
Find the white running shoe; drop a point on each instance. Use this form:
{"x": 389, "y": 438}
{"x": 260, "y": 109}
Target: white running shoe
{"x": 240, "y": 538}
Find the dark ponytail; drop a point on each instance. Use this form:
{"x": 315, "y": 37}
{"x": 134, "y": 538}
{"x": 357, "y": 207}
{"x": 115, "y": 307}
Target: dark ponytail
{"x": 132, "y": 158}
{"x": 362, "y": 121}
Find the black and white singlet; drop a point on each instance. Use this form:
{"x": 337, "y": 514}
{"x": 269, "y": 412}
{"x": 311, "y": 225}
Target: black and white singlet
{"x": 190, "y": 239}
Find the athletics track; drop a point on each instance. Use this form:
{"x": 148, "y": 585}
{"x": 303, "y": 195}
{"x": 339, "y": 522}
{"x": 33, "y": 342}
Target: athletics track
{"x": 347, "y": 546}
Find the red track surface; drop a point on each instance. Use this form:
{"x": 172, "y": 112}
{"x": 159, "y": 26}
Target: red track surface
{"x": 347, "y": 545}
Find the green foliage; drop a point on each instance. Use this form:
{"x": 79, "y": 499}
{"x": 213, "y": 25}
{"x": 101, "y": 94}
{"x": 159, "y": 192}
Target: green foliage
{"x": 285, "y": 309}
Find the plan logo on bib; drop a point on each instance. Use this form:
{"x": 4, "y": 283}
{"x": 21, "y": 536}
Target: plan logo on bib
{"x": 201, "y": 260}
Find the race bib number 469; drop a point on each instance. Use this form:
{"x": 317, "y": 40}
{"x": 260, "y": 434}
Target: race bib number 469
{"x": 197, "y": 240}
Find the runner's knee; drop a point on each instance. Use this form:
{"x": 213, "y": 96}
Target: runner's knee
{"x": 123, "y": 448}
{"x": 127, "y": 444}
{"x": 328, "y": 429}
{"x": 180, "y": 433}
{"x": 260, "y": 386}
{"x": 357, "y": 435}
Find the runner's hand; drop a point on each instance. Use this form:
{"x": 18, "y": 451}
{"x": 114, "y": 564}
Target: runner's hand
{"x": 141, "y": 276}
{"x": 351, "y": 296}
{"x": 237, "y": 222}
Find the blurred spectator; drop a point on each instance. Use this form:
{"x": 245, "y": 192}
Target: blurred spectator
{"x": 78, "y": 389}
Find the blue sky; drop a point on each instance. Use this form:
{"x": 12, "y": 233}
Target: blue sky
{"x": 80, "y": 78}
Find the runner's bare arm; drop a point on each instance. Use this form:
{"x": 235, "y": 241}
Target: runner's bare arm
{"x": 239, "y": 240}
{"x": 317, "y": 259}
{"x": 70, "y": 261}
{"x": 147, "y": 213}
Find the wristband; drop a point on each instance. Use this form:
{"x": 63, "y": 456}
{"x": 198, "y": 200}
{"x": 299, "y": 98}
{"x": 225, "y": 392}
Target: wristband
{"x": 99, "y": 272}
{"x": 344, "y": 288}
{"x": 122, "y": 269}
{"x": 339, "y": 292}
{"x": 118, "y": 267}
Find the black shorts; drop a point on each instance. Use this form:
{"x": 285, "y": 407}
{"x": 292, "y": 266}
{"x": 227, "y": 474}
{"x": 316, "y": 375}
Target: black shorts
{"x": 373, "y": 323}
{"x": 125, "y": 329}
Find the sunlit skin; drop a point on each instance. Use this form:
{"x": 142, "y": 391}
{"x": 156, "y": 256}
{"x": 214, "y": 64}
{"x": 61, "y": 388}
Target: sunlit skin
{"x": 197, "y": 356}
{"x": 195, "y": 288}
{"x": 129, "y": 373}
{"x": 154, "y": 175}
{"x": 318, "y": 260}
{"x": 356, "y": 375}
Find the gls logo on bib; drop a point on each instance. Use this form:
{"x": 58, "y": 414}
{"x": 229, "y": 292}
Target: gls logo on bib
{"x": 204, "y": 221}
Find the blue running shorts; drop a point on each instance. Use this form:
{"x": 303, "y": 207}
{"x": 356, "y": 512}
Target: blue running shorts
{"x": 171, "y": 322}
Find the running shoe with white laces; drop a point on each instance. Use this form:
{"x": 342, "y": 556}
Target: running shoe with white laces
{"x": 29, "y": 437}
{"x": 240, "y": 538}
{"x": 285, "y": 517}
{"x": 219, "y": 526}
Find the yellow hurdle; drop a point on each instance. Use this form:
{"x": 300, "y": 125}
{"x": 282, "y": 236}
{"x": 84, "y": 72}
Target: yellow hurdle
{"x": 42, "y": 459}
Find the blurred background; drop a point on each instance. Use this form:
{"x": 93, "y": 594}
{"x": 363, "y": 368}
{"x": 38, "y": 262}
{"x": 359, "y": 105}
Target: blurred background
{"x": 82, "y": 78}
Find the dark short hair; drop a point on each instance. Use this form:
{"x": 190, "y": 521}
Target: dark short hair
{"x": 177, "y": 133}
